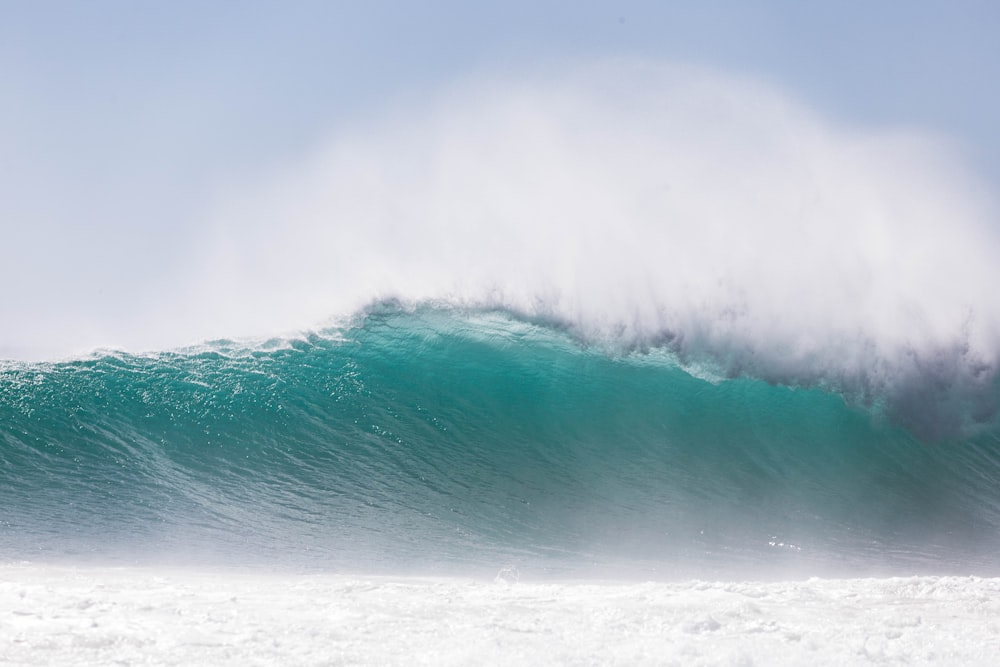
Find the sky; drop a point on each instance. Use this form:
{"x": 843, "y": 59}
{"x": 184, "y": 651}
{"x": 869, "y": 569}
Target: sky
{"x": 123, "y": 124}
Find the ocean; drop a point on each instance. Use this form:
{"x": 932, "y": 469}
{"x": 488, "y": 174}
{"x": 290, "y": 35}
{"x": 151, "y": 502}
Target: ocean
{"x": 642, "y": 365}
{"x": 469, "y": 465}
{"x": 441, "y": 440}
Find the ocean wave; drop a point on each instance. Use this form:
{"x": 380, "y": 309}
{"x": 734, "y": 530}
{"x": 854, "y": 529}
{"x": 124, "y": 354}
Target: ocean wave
{"x": 433, "y": 436}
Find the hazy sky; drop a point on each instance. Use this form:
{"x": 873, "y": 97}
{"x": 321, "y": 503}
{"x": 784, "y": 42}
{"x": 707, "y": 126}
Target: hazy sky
{"x": 121, "y": 122}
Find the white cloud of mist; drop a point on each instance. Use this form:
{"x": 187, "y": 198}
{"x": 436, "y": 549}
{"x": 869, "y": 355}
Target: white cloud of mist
{"x": 631, "y": 201}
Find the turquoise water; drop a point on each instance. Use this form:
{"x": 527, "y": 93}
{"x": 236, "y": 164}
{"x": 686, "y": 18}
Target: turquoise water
{"x": 443, "y": 440}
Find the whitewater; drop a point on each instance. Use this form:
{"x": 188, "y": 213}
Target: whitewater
{"x": 630, "y": 363}
{"x": 97, "y": 616}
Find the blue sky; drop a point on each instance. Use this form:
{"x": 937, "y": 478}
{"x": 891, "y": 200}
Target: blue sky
{"x": 120, "y": 121}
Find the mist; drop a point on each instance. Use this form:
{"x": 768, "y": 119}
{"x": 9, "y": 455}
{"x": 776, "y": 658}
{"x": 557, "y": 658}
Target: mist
{"x": 634, "y": 202}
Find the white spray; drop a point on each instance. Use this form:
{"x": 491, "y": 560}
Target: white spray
{"x": 634, "y": 203}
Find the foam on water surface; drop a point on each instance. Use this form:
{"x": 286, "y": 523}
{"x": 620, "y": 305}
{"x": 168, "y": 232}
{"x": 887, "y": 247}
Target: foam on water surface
{"x": 59, "y": 615}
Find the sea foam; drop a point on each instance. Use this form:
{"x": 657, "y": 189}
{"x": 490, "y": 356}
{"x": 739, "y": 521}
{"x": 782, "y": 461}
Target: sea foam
{"x": 103, "y": 615}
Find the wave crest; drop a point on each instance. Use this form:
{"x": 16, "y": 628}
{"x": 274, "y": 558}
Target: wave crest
{"x": 637, "y": 205}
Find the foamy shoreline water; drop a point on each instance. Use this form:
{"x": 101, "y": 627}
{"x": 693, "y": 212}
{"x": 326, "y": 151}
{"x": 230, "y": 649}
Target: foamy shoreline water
{"x": 95, "y": 615}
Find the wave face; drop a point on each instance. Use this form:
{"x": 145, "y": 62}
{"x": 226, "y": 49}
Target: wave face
{"x": 438, "y": 438}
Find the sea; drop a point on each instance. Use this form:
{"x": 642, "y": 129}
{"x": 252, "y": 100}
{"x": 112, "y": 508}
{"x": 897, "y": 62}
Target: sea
{"x": 641, "y": 365}
{"x": 441, "y": 440}
{"x": 474, "y": 485}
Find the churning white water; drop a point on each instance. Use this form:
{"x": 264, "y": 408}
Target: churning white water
{"x": 98, "y": 616}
